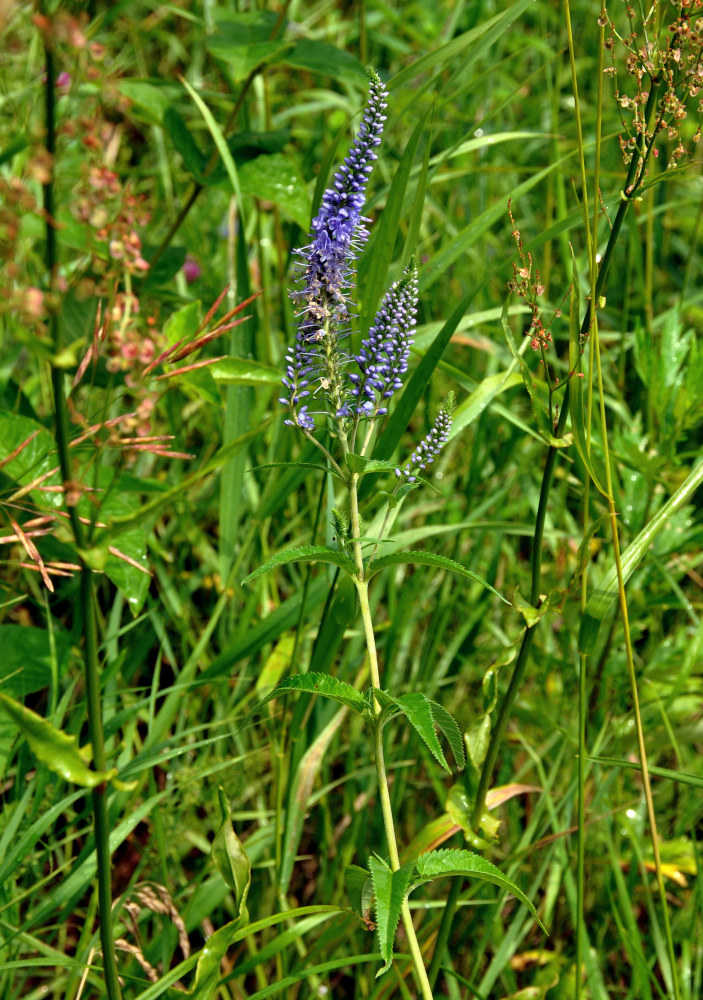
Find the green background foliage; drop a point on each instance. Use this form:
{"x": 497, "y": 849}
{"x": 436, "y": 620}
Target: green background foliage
{"x": 219, "y": 127}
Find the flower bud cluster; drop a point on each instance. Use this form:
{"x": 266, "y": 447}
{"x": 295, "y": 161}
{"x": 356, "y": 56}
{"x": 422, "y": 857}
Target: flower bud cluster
{"x": 432, "y": 444}
{"x": 383, "y": 359}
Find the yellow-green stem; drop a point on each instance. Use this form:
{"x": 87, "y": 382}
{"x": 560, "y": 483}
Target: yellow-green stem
{"x": 384, "y": 794}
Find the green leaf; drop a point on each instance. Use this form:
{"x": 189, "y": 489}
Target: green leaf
{"x": 176, "y": 129}
{"x": 602, "y": 598}
{"x": 360, "y": 464}
{"x": 25, "y": 665}
{"x": 207, "y": 970}
{"x": 682, "y": 777}
{"x": 390, "y": 889}
{"x": 529, "y": 612}
{"x": 275, "y": 178}
{"x": 486, "y": 391}
{"x": 183, "y": 323}
{"x": 220, "y": 143}
{"x": 303, "y": 553}
{"x": 323, "y": 684}
{"x": 244, "y": 371}
{"x": 359, "y": 888}
{"x": 35, "y": 459}
{"x": 231, "y": 858}
{"x": 245, "y": 59}
{"x": 424, "y": 715}
{"x": 52, "y": 747}
{"x": 152, "y": 102}
{"x": 429, "y": 559}
{"x": 320, "y": 57}
{"x": 454, "y": 861}
{"x": 446, "y": 723}
{"x": 296, "y": 465}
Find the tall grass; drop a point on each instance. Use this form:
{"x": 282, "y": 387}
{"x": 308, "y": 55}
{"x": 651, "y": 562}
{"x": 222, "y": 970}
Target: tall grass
{"x": 167, "y": 778}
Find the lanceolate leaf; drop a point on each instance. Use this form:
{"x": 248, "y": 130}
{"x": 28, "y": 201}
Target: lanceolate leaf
{"x": 390, "y": 889}
{"x": 303, "y": 553}
{"x": 424, "y": 715}
{"x": 231, "y": 858}
{"x": 56, "y": 749}
{"x": 429, "y": 559}
{"x": 602, "y": 598}
{"x": 683, "y": 777}
{"x": 451, "y": 861}
{"x": 324, "y": 685}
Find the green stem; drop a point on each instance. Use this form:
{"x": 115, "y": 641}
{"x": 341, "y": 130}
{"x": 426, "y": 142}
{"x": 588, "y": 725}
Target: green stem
{"x": 384, "y": 794}
{"x": 518, "y": 670}
{"x": 87, "y": 596}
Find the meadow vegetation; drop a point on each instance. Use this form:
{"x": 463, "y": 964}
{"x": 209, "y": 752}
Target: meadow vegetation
{"x": 351, "y": 418}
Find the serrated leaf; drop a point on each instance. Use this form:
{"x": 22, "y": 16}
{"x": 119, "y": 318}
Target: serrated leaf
{"x": 59, "y": 751}
{"x": 421, "y": 558}
{"x": 360, "y": 464}
{"x": 390, "y": 889}
{"x": 322, "y": 684}
{"x": 230, "y": 857}
{"x": 446, "y": 723}
{"x": 424, "y": 715}
{"x": 606, "y": 592}
{"x": 454, "y": 861}
{"x": 303, "y": 553}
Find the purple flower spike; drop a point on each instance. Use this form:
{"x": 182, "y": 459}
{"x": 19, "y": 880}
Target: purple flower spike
{"x": 327, "y": 261}
{"x": 383, "y": 359}
{"x": 430, "y": 447}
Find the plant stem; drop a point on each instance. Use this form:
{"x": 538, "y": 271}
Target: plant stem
{"x": 518, "y": 670}
{"x": 362, "y": 588}
{"x": 87, "y": 596}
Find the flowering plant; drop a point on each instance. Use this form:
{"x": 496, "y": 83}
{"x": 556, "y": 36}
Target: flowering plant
{"x": 330, "y": 388}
